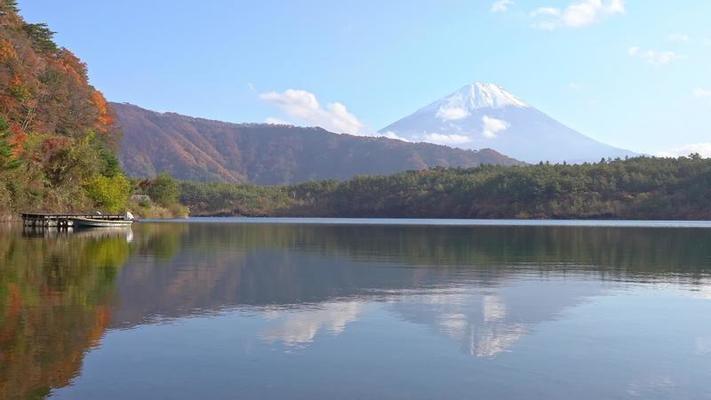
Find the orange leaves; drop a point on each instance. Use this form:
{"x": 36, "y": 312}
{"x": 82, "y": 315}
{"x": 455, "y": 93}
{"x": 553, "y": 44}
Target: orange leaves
{"x": 7, "y": 51}
{"x": 105, "y": 119}
{"x": 47, "y": 92}
{"x": 18, "y": 89}
{"x": 17, "y": 140}
{"x": 73, "y": 66}
{"x": 102, "y": 318}
{"x": 16, "y": 80}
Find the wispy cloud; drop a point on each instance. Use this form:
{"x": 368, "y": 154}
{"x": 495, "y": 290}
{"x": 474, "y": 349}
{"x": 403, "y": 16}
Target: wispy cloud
{"x": 492, "y": 126}
{"x": 703, "y": 149}
{"x": 304, "y": 106}
{"x": 678, "y": 38}
{"x": 578, "y": 14}
{"x": 501, "y": 6}
{"x": 447, "y": 140}
{"x": 702, "y": 93}
{"x": 654, "y": 57}
{"x": 452, "y": 113}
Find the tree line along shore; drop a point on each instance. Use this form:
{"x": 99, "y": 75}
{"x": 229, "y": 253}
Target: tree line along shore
{"x": 636, "y": 188}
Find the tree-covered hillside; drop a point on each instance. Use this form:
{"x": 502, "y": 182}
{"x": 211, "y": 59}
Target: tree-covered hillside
{"x": 638, "y": 188}
{"x": 204, "y": 150}
{"x": 57, "y": 132}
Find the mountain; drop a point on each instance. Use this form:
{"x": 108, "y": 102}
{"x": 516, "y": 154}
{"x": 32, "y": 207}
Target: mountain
{"x": 484, "y": 115}
{"x": 205, "y": 150}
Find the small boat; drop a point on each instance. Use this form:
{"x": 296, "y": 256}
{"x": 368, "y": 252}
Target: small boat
{"x": 101, "y": 223}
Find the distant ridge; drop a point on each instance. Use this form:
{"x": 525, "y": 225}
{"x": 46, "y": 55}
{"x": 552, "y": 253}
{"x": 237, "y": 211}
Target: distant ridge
{"x": 206, "y": 150}
{"x": 485, "y": 115}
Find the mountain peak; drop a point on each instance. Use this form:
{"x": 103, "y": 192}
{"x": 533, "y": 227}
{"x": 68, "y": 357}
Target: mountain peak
{"x": 472, "y": 98}
{"x": 482, "y": 115}
{"x": 484, "y": 95}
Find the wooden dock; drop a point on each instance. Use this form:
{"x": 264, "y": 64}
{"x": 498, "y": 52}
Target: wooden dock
{"x": 62, "y": 221}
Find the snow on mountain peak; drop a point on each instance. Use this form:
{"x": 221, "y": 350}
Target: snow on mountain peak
{"x": 478, "y": 95}
{"x": 483, "y": 95}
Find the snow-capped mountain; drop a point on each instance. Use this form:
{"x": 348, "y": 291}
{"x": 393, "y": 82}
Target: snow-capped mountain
{"x": 484, "y": 115}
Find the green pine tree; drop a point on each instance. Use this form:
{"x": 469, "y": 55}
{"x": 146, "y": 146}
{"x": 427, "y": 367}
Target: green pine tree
{"x": 8, "y": 161}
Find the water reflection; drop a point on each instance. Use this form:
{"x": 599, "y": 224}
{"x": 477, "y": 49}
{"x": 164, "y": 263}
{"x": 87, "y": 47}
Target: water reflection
{"x": 55, "y": 297}
{"x": 297, "y": 328}
{"x": 479, "y": 323}
{"x": 192, "y": 268}
{"x": 487, "y": 292}
{"x": 488, "y": 322}
{"x": 51, "y": 233}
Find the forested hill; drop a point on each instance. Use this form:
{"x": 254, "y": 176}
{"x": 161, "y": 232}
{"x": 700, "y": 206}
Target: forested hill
{"x": 199, "y": 149}
{"x": 57, "y": 133}
{"x": 638, "y": 188}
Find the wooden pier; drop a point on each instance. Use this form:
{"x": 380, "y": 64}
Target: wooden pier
{"x": 63, "y": 221}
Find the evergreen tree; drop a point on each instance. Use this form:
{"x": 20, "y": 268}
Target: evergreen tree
{"x": 8, "y": 161}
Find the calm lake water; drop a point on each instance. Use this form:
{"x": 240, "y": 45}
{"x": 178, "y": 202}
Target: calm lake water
{"x": 300, "y": 309}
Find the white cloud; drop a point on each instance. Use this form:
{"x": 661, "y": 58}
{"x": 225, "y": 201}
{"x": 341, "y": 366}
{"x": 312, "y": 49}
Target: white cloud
{"x": 702, "y": 93}
{"x": 452, "y": 113}
{"x": 655, "y": 57}
{"x": 500, "y": 6}
{"x": 575, "y": 86}
{"x": 550, "y": 18}
{"x": 578, "y": 14}
{"x": 447, "y": 140}
{"x": 492, "y": 126}
{"x": 546, "y": 11}
{"x": 678, "y": 38}
{"x": 304, "y": 106}
{"x": 704, "y": 149}
{"x": 393, "y": 135}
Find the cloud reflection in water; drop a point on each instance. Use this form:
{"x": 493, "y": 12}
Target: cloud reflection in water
{"x": 298, "y": 328}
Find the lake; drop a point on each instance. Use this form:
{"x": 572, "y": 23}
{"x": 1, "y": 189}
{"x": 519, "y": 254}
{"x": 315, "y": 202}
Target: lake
{"x": 358, "y": 309}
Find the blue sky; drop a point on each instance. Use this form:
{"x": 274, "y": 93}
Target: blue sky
{"x": 632, "y": 73}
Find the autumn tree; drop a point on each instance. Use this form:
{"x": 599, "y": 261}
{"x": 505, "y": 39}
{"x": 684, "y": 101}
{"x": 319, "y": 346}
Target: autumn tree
{"x": 58, "y": 133}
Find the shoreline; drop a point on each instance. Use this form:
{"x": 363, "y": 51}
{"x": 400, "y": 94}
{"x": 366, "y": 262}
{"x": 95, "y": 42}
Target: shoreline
{"x": 444, "y": 222}
{"x": 513, "y": 218}
{"x": 17, "y": 218}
